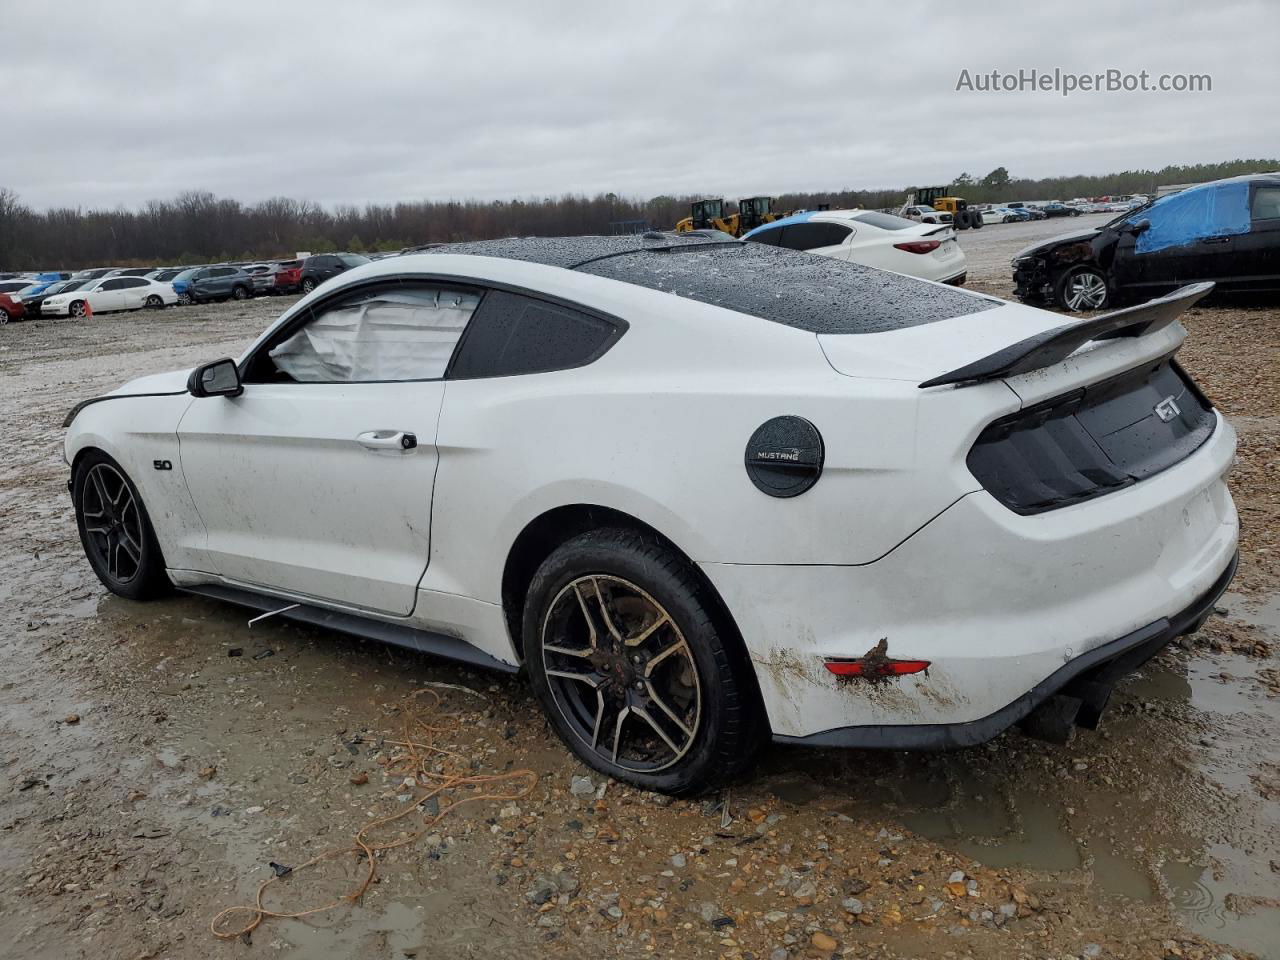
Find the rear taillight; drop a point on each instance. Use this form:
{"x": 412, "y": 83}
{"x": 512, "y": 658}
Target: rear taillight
{"x": 919, "y": 246}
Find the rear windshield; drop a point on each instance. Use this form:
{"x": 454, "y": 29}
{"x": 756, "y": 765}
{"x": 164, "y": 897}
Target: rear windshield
{"x": 885, "y": 221}
{"x": 815, "y": 294}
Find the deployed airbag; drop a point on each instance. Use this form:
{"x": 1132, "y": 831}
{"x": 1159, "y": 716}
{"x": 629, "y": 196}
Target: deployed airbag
{"x": 387, "y": 335}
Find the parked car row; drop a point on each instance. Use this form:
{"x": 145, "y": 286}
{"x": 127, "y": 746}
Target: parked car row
{"x": 105, "y": 289}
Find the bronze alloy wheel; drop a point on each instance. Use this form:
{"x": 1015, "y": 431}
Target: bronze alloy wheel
{"x": 112, "y": 524}
{"x": 621, "y": 673}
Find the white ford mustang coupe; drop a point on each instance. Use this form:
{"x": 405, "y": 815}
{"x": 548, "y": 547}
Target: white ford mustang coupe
{"x": 703, "y": 491}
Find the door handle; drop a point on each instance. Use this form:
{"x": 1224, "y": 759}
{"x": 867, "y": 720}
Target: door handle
{"x": 1214, "y": 240}
{"x": 387, "y": 440}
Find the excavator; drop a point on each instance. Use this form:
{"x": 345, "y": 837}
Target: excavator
{"x": 710, "y": 215}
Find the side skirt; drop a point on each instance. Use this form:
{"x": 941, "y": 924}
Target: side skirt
{"x": 411, "y": 638}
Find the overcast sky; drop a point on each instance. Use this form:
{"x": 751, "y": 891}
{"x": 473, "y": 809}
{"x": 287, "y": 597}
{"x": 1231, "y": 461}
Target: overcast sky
{"x": 108, "y": 104}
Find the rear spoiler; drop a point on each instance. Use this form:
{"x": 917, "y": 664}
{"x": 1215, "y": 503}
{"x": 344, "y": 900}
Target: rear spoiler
{"x": 1053, "y": 346}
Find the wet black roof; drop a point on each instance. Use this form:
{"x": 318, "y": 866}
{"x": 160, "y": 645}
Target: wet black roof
{"x": 814, "y": 293}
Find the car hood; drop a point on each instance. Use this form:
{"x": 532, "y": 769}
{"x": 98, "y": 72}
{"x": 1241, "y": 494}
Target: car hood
{"x": 175, "y": 381}
{"x": 1043, "y": 245}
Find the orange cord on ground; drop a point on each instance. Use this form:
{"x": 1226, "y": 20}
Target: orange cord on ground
{"x": 419, "y": 748}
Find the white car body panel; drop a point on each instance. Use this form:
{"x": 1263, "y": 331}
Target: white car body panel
{"x": 874, "y": 246}
{"x": 898, "y": 540}
{"x": 287, "y": 450}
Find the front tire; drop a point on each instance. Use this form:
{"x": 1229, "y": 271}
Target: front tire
{"x": 115, "y": 529}
{"x": 1083, "y": 288}
{"x": 240, "y": 293}
{"x": 77, "y": 309}
{"x": 635, "y": 669}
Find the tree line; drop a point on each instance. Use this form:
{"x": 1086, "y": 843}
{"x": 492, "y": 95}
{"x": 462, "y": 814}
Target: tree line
{"x": 198, "y": 227}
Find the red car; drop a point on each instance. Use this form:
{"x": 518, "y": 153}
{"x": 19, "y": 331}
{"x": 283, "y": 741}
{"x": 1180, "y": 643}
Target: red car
{"x": 10, "y": 309}
{"x": 288, "y": 276}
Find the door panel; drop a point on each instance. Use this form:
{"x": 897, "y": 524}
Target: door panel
{"x": 1259, "y": 253}
{"x": 295, "y": 496}
{"x": 106, "y": 299}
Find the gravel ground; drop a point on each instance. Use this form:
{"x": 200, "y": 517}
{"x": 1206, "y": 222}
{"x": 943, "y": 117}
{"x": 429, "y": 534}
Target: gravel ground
{"x": 156, "y": 760}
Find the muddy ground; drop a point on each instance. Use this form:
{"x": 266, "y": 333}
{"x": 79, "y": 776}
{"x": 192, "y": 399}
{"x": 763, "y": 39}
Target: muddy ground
{"x": 157, "y": 759}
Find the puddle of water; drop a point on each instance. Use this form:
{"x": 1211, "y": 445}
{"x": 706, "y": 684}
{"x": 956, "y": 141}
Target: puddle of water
{"x": 1165, "y": 843}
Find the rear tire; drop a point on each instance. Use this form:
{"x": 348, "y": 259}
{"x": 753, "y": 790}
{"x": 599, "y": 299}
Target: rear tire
{"x": 634, "y": 667}
{"x": 308, "y": 285}
{"x": 115, "y": 529}
{"x": 154, "y": 302}
{"x": 240, "y": 293}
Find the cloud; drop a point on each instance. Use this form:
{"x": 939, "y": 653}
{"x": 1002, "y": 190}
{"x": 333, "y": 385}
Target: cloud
{"x": 350, "y": 103}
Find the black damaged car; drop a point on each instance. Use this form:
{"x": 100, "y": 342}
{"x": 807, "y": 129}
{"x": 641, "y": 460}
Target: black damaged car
{"x": 1227, "y": 231}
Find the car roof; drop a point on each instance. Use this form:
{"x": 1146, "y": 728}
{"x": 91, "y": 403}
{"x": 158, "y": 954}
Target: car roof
{"x": 811, "y": 293}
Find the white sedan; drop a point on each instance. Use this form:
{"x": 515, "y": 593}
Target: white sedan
{"x": 873, "y": 239}
{"x": 110, "y": 293}
{"x": 701, "y": 491}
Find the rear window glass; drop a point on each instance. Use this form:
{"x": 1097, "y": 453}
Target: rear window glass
{"x": 885, "y": 221}
{"x": 815, "y": 294}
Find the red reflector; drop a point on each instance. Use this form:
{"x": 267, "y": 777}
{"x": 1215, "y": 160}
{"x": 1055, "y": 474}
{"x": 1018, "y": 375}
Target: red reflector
{"x": 875, "y": 667}
{"x": 919, "y": 246}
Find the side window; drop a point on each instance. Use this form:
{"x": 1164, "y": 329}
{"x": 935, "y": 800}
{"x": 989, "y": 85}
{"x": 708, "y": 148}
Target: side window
{"x": 113, "y": 284}
{"x": 513, "y": 334}
{"x": 392, "y": 332}
{"x": 810, "y": 236}
{"x": 133, "y": 282}
{"x": 224, "y": 271}
{"x": 768, "y": 237}
{"x": 1266, "y": 203}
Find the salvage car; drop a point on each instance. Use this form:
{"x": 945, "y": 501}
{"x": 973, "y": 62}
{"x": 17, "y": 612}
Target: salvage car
{"x": 11, "y": 309}
{"x": 325, "y": 266}
{"x": 872, "y": 238}
{"x": 33, "y": 302}
{"x": 222, "y": 282}
{"x": 1227, "y": 232}
{"x": 701, "y": 491}
{"x": 109, "y": 294}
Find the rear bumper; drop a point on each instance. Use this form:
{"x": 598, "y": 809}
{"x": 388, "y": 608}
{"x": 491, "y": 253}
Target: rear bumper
{"x": 1089, "y": 678}
{"x": 998, "y": 603}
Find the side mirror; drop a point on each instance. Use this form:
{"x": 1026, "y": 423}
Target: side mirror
{"x": 220, "y": 378}
{"x": 1142, "y": 226}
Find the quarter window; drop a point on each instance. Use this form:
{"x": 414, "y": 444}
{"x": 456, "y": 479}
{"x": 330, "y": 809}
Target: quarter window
{"x": 393, "y": 332}
{"x": 1266, "y": 203}
{"x": 514, "y": 334}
